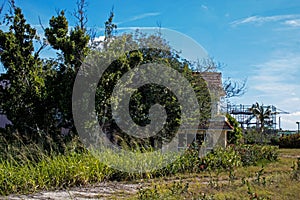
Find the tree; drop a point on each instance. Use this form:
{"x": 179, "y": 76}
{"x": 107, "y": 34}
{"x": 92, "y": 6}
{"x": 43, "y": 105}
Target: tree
{"x": 23, "y": 98}
{"x": 261, "y": 113}
{"x": 149, "y": 94}
{"x": 73, "y": 45}
{"x": 37, "y": 98}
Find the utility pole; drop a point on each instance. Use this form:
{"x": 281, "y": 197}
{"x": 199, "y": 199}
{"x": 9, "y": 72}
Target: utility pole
{"x": 298, "y": 123}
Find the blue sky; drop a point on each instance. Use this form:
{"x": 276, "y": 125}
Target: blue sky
{"x": 257, "y": 40}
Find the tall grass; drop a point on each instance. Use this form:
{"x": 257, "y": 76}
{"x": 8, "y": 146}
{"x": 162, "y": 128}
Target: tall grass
{"x": 52, "y": 173}
{"x": 27, "y": 168}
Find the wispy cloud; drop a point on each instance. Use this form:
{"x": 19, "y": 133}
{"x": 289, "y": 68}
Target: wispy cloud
{"x": 295, "y": 114}
{"x": 290, "y": 120}
{"x": 293, "y": 23}
{"x": 277, "y": 82}
{"x": 278, "y": 76}
{"x": 266, "y": 19}
{"x": 204, "y": 7}
{"x": 138, "y": 17}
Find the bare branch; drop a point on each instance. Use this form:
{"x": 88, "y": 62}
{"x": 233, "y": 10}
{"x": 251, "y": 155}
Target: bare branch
{"x": 40, "y": 22}
{"x": 80, "y": 14}
{"x": 37, "y": 53}
{"x": 234, "y": 88}
{"x": 206, "y": 65}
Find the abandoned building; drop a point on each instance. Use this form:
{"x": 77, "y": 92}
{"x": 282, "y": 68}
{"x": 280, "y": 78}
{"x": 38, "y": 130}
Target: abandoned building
{"x": 215, "y": 132}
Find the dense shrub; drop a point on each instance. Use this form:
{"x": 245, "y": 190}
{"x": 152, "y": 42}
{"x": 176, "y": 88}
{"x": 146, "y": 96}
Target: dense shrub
{"x": 252, "y": 154}
{"x": 288, "y": 141}
{"x": 221, "y": 158}
{"x": 252, "y": 136}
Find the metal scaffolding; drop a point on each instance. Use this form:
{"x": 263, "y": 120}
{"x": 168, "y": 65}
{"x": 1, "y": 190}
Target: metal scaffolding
{"x": 246, "y": 118}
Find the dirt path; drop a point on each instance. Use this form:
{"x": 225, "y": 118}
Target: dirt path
{"x": 106, "y": 190}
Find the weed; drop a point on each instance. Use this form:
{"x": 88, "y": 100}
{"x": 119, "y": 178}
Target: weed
{"x": 296, "y": 170}
{"x": 179, "y": 188}
{"x": 214, "y": 180}
{"x": 259, "y": 179}
{"x": 232, "y": 175}
{"x": 148, "y": 193}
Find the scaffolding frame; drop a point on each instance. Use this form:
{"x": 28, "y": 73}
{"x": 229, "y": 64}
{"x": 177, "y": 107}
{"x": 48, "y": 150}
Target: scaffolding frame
{"x": 247, "y": 119}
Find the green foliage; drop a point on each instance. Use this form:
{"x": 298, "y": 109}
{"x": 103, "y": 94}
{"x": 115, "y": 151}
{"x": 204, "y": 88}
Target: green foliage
{"x": 235, "y": 136}
{"x": 296, "y": 170}
{"x": 288, "y": 141}
{"x": 144, "y": 194}
{"x": 51, "y": 173}
{"x": 253, "y": 154}
{"x": 177, "y": 188}
{"x": 148, "y": 95}
{"x": 37, "y": 97}
{"x": 222, "y": 159}
{"x": 261, "y": 113}
{"x": 73, "y": 45}
{"x": 22, "y": 172}
{"x": 109, "y": 26}
{"x": 23, "y": 97}
{"x": 252, "y": 136}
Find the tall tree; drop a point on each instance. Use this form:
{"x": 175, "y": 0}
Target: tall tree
{"x": 261, "y": 113}
{"x": 150, "y": 94}
{"x": 24, "y": 95}
{"x": 73, "y": 45}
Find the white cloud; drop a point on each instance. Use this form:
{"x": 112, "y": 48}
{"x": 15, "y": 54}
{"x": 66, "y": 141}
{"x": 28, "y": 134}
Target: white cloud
{"x": 141, "y": 16}
{"x": 297, "y": 114}
{"x": 293, "y": 23}
{"x": 278, "y": 74}
{"x": 288, "y": 121}
{"x": 98, "y": 40}
{"x": 265, "y": 19}
{"x": 277, "y": 82}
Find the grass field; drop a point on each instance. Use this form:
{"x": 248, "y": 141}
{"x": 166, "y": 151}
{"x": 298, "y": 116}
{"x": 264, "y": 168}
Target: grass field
{"x": 266, "y": 180}
{"x": 274, "y": 180}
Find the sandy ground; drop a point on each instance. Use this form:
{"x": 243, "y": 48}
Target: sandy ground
{"x": 106, "y": 190}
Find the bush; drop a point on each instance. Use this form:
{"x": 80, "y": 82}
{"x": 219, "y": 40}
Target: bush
{"x": 251, "y": 136}
{"x": 221, "y": 158}
{"x": 288, "y": 141}
{"x": 253, "y": 154}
